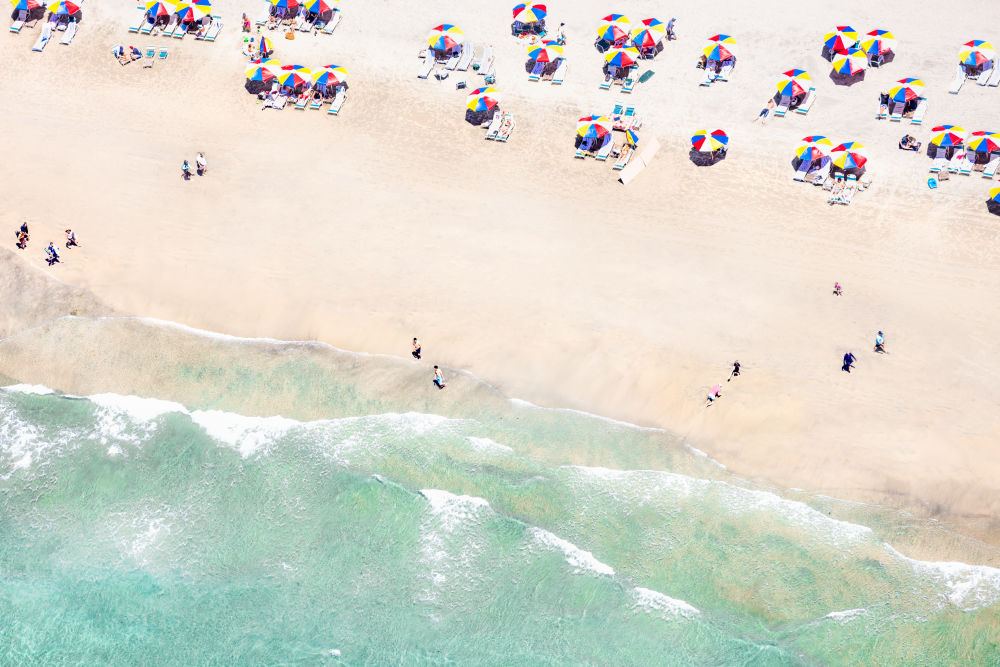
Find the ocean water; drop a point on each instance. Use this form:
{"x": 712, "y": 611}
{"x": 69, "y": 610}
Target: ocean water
{"x": 143, "y": 531}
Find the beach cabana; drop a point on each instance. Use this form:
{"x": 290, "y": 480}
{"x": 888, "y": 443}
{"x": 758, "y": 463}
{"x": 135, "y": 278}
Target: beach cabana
{"x": 593, "y": 132}
{"x": 849, "y": 157}
{"x": 708, "y": 147}
{"x": 614, "y": 30}
{"x": 878, "y": 44}
{"x": 842, "y": 39}
{"x": 529, "y": 18}
{"x": 849, "y": 67}
{"x": 993, "y": 203}
{"x": 648, "y": 37}
{"x": 445, "y": 40}
{"x": 481, "y": 104}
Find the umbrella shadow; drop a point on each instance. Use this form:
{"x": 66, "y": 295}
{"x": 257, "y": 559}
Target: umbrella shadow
{"x": 993, "y": 206}
{"x": 706, "y": 158}
{"x": 847, "y": 79}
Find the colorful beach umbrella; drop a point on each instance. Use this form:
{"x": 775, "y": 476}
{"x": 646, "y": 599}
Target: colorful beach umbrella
{"x": 718, "y": 51}
{"x": 25, "y": 5}
{"x": 624, "y": 57}
{"x": 655, "y": 25}
{"x": 705, "y": 141}
{"x": 287, "y": 4}
{"x": 546, "y": 52}
{"x": 264, "y": 70}
{"x": 160, "y": 7}
{"x": 593, "y": 127}
{"x": 875, "y": 46}
{"x": 64, "y": 7}
{"x": 818, "y": 140}
{"x": 849, "y": 155}
{"x": 444, "y": 37}
{"x": 319, "y": 6}
{"x": 906, "y": 89}
{"x": 809, "y": 153}
{"x": 618, "y": 19}
{"x": 646, "y": 37}
{"x": 794, "y": 83}
{"x": 722, "y": 39}
{"x": 483, "y": 99}
{"x": 529, "y": 12}
{"x": 975, "y": 52}
{"x": 948, "y": 135}
{"x": 613, "y": 32}
{"x": 984, "y": 142}
{"x": 193, "y": 10}
{"x": 262, "y": 45}
{"x": 995, "y": 195}
{"x": 851, "y": 62}
{"x": 842, "y": 39}
{"x": 632, "y": 137}
{"x": 331, "y": 75}
{"x": 294, "y": 75}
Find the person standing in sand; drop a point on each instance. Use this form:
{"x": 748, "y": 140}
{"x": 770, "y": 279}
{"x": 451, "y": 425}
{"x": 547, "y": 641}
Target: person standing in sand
{"x": 416, "y": 350}
{"x": 71, "y": 239}
{"x": 438, "y": 378}
{"x": 880, "y": 343}
{"x": 735, "y": 372}
{"x": 201, "y": 164}
{"x": 848, "y": 362}
{"x": 51, "y": 256}
{"x": 837, "y": 289}
{"x": 671, "y": 36}
{"x": 186, "y": 171}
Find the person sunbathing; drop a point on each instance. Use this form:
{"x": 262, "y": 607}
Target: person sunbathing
{"x": 909, "y": 143}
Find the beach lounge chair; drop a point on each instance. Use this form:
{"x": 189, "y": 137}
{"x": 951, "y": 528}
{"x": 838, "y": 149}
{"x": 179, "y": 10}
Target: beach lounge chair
{"x": 338, "y": 102}
{"x": 994, "y": 77}
{"x": 580, "y": 153}
{"x": 334, "y": 22}
{"x": 149, "y": 56}
{"x": 835, "y": 191}
{"x": 453, "y": 62}
{"x": 938, "y": 164}
{"x": 306, "y": 26}
{"x": 629, "y": 120}
{"x": 782, "y": 107}
{"x": 181, "y": 30}
{"x": 623, "y": 157}
{"x": 494, "y": 128}
{"x": 560, "y": 73}
{"x": 955, "y": 161}
{"x": 605, "y": 150}
{"x": 168, "y": 30}
{"x": 807, "y": 102}
{"x": 18, "y": 23}
{"x": 991, "y": 167}
{"x": 726, "y": 73}
{"x": 984, "y": 76}
{"x": 137, "y": 23}
{"x": 606, "y": 85}
{"x": 426, "y": 66}
{"x": 162, "y": 54}
{"x": 506, "y": 128}
{"x": 536, "y": 73}
{"x": 957, "y": 82}
{"x": 896, "y": 111}
{"x": 316, "y": 103}
{"x": 485, "y": 63}
{"x": 43, "y": 37}
{"x": 629, "y": 84}
{"x": 850, "y": 189}
{"x": 70, "y": 33}
{"x": 147, "y": 27}
{"x": 302, "y": 101}
{"x": 213, "y": 30}
{"x": 918, "y": 114}
{"x": 964, "y": 165}
{"x": 466, "y": 60}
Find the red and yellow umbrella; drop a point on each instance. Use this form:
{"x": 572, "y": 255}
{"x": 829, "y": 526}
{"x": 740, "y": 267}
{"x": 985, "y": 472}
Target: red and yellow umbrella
{"x": 546, "y": 52}
{"x": 984, "y": 142}
{"x": 529, "y": 12}
{"x": 849, "y": 155}
{"x": 483, "y": 99}
{"x": 444, "y": 37}
{"x": 851, "y": 62}
{"x": 593, "y": 127}
{"x": 705, "y": 141}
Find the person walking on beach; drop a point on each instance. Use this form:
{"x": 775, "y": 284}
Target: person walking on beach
{"x": 671, "y": 36}
{"x": 848, "y": 362}
{"x": 51, "y": 256}
{"x": 416, "y": 350}
{"x": 71, "y": 239}
{"x": 880, "y": 343}
{"x": 883, "y": 105}
{"x": 438, "y": 378}
{"x": 837, "y": 289}
{"x": 186, "y": 171}
{"x": 736, "y": 371}
{"x": 762, "y": 116}
{"x": 202, "y": 165}
{"x": 715, "y": 393}
{"x": 22, "y": 236}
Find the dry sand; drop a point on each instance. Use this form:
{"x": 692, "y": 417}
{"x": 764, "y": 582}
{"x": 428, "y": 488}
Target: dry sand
{"x": 539, "y": 273}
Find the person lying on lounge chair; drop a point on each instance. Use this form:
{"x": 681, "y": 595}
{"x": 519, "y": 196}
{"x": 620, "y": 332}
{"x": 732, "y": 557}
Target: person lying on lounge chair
{"x": 909, "y": 143}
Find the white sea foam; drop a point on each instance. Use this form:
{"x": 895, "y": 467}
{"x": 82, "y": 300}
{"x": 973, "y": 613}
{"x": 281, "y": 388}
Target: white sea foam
{"x": 967, "y": 587}
{"x": 247, "y": 435}
{"x": 520, "y": 402}
{"x": 697, "y": 452}
{"x": 488, "y": 446}
{"x": 449, "y": 541}
{"x": 575, "y": 556}
{"x": 846, "y": 615}
{"x": 137, "y": 408}
{"x": 650, "y": 601}
{"x": 37, "y": 389}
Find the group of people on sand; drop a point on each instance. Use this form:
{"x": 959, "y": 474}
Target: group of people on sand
{"x": 200, "y": 163}
{"x": 51, "y": 254}
{"x": 438, "y": 376}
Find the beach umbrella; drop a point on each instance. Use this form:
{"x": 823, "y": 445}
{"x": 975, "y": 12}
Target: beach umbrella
{"x": 294, "y": 75}
{"x": 444, "y": 36}
{"x": 64, "y": 7}
{"x": 809, "y": 153}
{"x": 319, "y": 6}
{"x": 718, "y": 51}
{"x": 632, "y": 137}
{"x": 797, "y": 74}
{"x": 875, "y": 46}
{"x": 529, "y": 12}
{"x": 331, "y": 75}
{"x": 647, "y": 37}
{"x": 948, "y": 135}
{"x": 263, "y": 45}
{"x": 995, "y": 195}
{"x": 818, "y": 140}
{"x": 618, "y": 19}
{"x": 26, "y": 5}
{"x": 851, "y": 62}
{"x": 704, "y": 141}
{"x": 655, "y": 25}
{"x": 624, "y": 57}
{"x": 546, "y": 52}
{"x": 593, "y": 127}
{"x": 192, "y": 10}
{"x": 160, "y": 7}
{"x": 287, "y": 4}
{"x": 906, "y": 90}
{"x": 844, "y": 38}
{"x": 984, "y": 142}
{"x": 264, "y": 70}
{"x": 722, "y": 39}
{"x": 975, "y": 52}
{"x": 794, "y": 83}
{"x": 612, "y": 31}
{"x": 849, "y": 155}
{"x": 483, "y": 99}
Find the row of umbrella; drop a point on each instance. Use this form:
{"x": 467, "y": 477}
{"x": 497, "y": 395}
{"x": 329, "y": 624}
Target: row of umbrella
{"x": 269, "y": 71}
{"x": 315, "y": 6}
{"x": 616, "y": 28}
{"x": 845, "y": 38}
{"x": 58, "y": 7}
{"x": 848, "y": 155}
{"x": 186, "y": 10}
{"x": 981, "y": 141}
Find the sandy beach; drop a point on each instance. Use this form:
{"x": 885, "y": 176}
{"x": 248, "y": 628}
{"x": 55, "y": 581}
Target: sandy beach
{"x": 535, "y": 272}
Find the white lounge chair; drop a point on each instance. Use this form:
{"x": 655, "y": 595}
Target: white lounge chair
{"x": 466, "y": 60}
{"x": 148, "y": 56}
{"x": 317, "y": 103}
{"x": 302, "y": 101}
{"x": 984, "y": 76}
{"x": 623, "y": 157}
{"x": 147, "y": 27}
{"x": 426, "y": 66}
{"x": 956, "y": 83}
{"x": 606, "y": 84}
{"x": 137, "y": 23}
{"x": 896, "y": 111}
{"x": 991, "y": 167}
{"x": 605, "y": 150}
{"x": 782, "y": 108}
{"x": 938, "y": 164}
{"x": 850, "y": 189}
{"x": 334, "y": 22}
{"x": 485, "y": 63}
{"x": 306, "y": 26}
{"x": 338, "y": 102}
{"x": 807, "y": 102}
{"x": 955, "y": 162}
{"x": 213, "y": 30}
{"x": 168, "y": 30}
{"x": 70, "y": 33}
{"x": 453, "y": 62}
{"x": 995, "y": 77}
{"x": 536, "y": 72}
{"x": 181, "y": 30}
{"x": 18, "y": 23}
{"x": 494, "y": 128}
{"x": 560, "y": 73}
{"x": 43, "y": 37}
{"x": 726, "y": 73}
{"x": 506, "y": 128}
{"x": 965, "y": 165}
{"x": 918, "y": 114}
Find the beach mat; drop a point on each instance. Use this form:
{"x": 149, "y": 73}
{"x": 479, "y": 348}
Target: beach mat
{"x": 646, "y": 76}
{"x": 639, "y": 162}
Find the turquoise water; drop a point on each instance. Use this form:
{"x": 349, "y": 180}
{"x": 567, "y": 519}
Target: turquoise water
{"x": 139, "y": 531}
